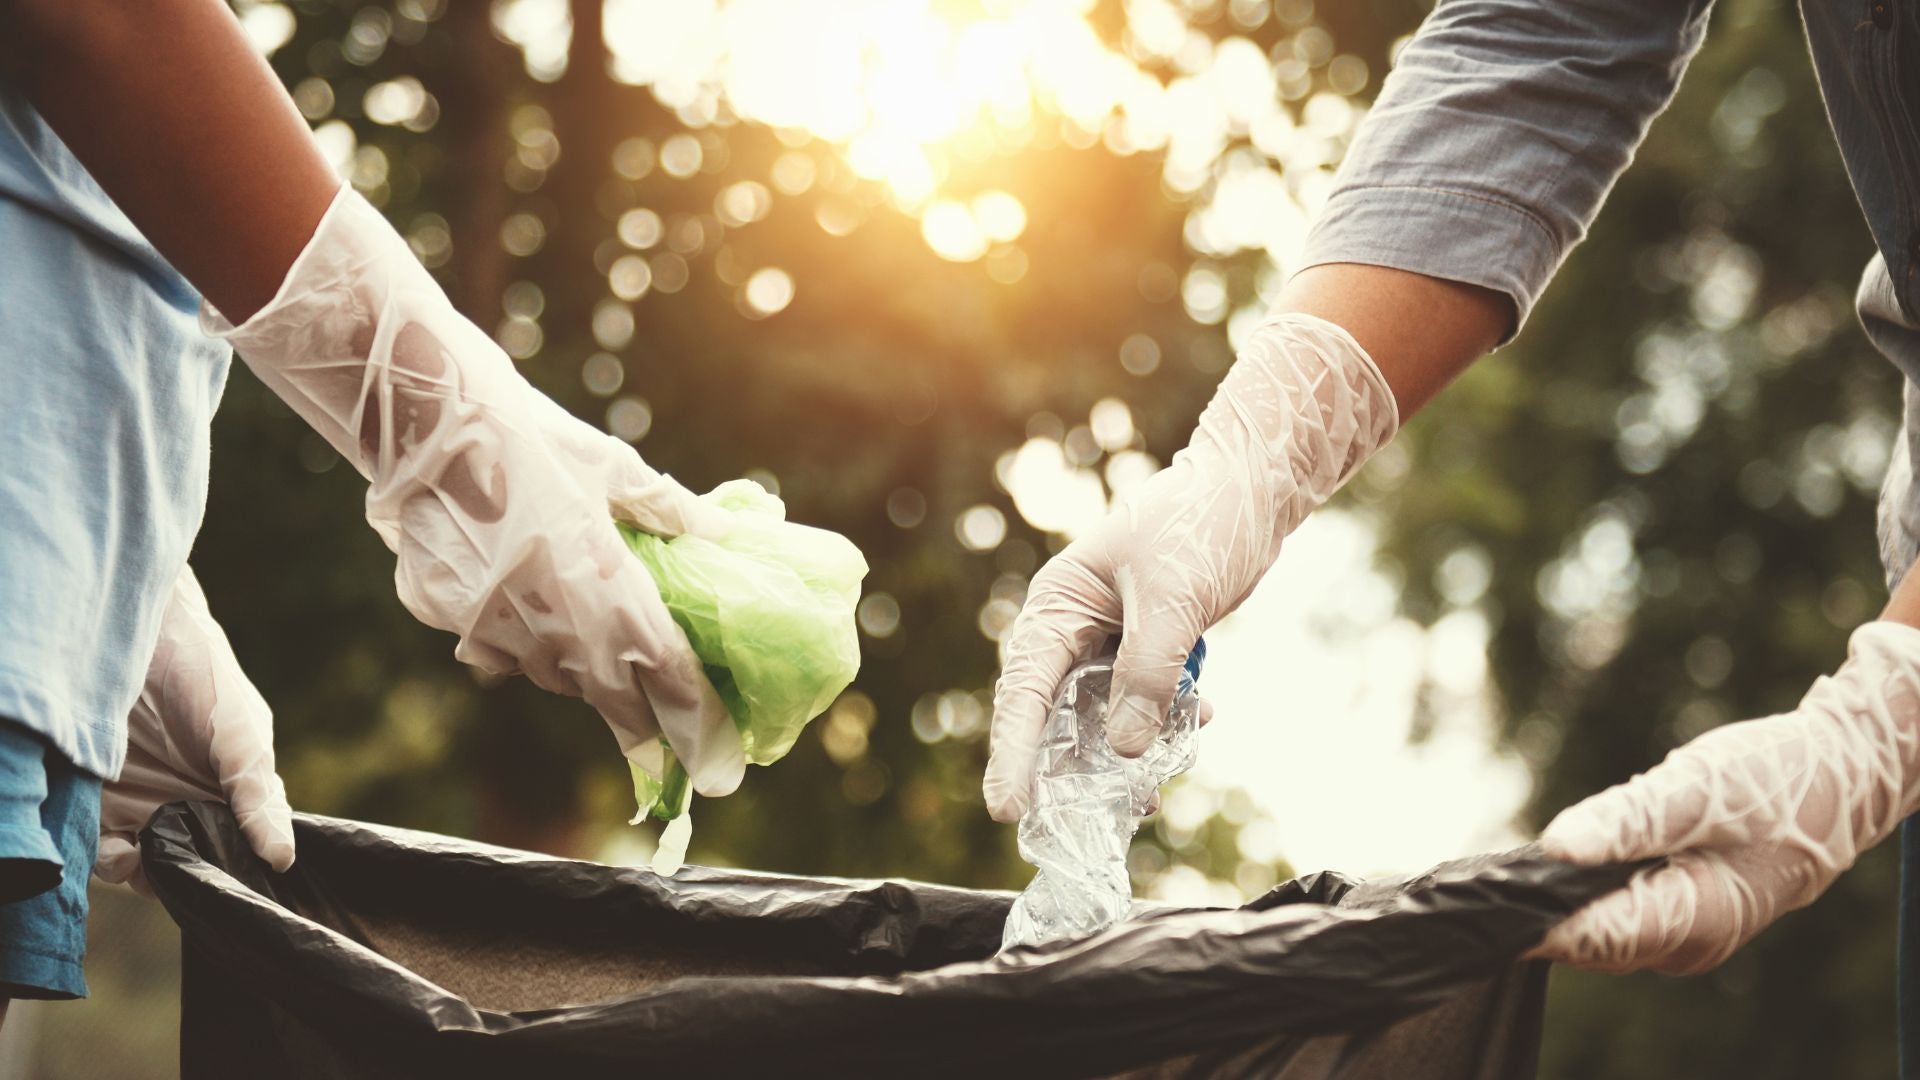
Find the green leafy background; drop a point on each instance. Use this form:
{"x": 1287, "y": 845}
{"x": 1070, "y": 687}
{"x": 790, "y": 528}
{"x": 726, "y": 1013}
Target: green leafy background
{"x": 1670, "y": 475}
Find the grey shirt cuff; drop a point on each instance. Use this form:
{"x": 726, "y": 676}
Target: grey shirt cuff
{"x": 1470, "y": 237}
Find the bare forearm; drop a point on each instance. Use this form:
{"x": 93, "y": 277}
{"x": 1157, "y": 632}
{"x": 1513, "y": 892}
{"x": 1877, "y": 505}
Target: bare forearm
{"x": 185, "y": 127}
{"x": 1904, "y": 606}
{"x": 1421, "y": 331}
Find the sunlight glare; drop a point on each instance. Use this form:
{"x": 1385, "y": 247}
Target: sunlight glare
{"x": 917, "y": 95}
{"x": 951, "y": 231}
{"x": 1052, "y": 494}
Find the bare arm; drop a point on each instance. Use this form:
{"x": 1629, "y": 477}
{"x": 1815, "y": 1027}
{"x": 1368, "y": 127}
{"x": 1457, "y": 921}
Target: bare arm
{"x": 1904, "y": 607}
{"x": 184, "y": 126}
{"x": 1483, "y": 160}
{"x": 1421, "y": 331}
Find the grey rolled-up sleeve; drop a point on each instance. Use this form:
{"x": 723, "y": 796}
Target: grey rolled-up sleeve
{"x": 1498, "y": 135}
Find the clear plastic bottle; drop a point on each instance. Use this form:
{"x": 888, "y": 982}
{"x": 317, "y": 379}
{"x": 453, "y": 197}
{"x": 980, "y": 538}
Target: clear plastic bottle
{"x": 1087, "y": 804}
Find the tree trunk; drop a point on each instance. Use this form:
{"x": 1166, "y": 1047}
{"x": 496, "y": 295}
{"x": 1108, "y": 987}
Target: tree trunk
{"x": 474, "y": 92}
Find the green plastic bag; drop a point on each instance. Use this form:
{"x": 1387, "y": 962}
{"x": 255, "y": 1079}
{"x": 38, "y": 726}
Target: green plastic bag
{"x": 769, "y": 608}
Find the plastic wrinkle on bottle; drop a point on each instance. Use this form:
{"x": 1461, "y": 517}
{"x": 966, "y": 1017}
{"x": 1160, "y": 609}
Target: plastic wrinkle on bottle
{"x": 1087, "y": 804}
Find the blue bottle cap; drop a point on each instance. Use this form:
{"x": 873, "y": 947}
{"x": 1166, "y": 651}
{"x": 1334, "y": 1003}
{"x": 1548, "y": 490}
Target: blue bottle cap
{"x": 1190, "y": 671}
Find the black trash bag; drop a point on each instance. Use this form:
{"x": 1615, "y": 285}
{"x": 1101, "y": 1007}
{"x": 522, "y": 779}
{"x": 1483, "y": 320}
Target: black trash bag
{"x": 389, "y": 953}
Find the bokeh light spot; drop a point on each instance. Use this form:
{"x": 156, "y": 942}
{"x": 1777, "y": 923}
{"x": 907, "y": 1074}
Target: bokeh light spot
{"x": 1049, "y": 492}
{"x": 522, "y": 234}
{"x": 314, "y": 98}
{"x": 1158, "y": 283}
{"x": 1347, "y": 75}
{"x": 640, "y": 228}
{"x": 1007, "y": 264}
{"x": 844, "y": 732}
{"x": 1112, "y": 424}
{"x": 337, "y": 144}
{"x": 742, "y": 203}
{"x": 1129, "y": 468}
{"x": 603, "y": 374}
{"x": 519, "y": 337}
{"x": 906, "y": 507}
{"x": 996, "y": 618}
{"x": 612, "y": 324}
{"x": 634, "y": 158}
{"x": 879, "y": 615}
{"x": 766, "y": 478}
{"x": 1140, "y": 355}
{"x": 951, "y": 231}
{"x": 1081, "y": 447}
{"x": 837, "y": 217}
{"x": 629, "y": 418}
{"x": 1205, "y": 294}
{"x": 630, "y": 277}
{"x": 768, "y": 291}
{"x": 430, "y": 239}
{"x": 395, "y": 101}
{"x": 680, "y": 156}
{"x": 793, "y": 172}
{"x": 999, "y": 215}
{"x": 980, "y": 528}
{"x": 268, "y": 26}
{"x": 523, "y": 298}
{"x": 670, "y": 272}
{"x": 686, "y": 234}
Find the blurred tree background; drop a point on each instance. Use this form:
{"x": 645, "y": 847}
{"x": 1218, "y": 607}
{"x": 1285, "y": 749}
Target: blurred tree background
{"x": 946, "y": 275}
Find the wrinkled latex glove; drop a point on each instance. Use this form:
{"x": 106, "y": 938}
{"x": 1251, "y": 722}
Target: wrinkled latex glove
{"x": 499, "y": 504}
{"x": 198, "y": 731}
{"x": 1756, "y": 818}
{"x": 1303, "y": 407}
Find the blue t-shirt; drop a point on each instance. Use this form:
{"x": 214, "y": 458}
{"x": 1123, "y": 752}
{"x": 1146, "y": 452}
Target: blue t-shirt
{"x": 107, "y": 388}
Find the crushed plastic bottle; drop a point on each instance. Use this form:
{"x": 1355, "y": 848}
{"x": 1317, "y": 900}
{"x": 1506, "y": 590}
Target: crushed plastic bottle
{"x": 1087, "y": 804}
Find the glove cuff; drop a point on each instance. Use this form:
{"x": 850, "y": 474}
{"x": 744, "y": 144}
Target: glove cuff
{"x": 1308, "y": 405}
{"x": 1374, "y": 409}
{"x": 1876, "y": 696}
{"x": 359, "y": 335}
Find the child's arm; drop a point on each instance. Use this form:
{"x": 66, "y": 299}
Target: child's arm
{"x": 499, "y": 504}
{"x": 199, "y": 730}
{"x": 184, "y": 126}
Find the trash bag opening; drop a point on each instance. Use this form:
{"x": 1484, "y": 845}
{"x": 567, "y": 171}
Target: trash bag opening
{"x": 1343, "y": 990}
{"x": 626, "y": 932}
{"x": 513, "y": 931}
{"x": 535, "y": 969}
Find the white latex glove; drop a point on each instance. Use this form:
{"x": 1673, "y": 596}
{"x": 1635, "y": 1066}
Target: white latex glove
{"x": 498, "y": 503}
{"x": 1302, "y": 409}
{"x": 199, "y": 731}
{"x": 1756, "y": 818}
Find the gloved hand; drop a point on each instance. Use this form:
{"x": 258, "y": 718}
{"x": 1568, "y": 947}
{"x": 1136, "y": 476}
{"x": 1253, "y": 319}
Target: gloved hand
{"x": 1302, "y": 409}
{"x": 498, "y": 503}
{"x": 199, "y": 731}
{"x": 1756, "y": 818}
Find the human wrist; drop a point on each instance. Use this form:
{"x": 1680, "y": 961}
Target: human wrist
{"x": 364, "y": 345}
{"x": 1420, "y": 330}
{"x": 347, "y": 237}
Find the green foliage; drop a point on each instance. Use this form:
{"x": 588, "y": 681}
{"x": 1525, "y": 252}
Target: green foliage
{"x": 1672, "y": 471}
{"x": 893, "y": 375}
{"x": 1670, "y": 474}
